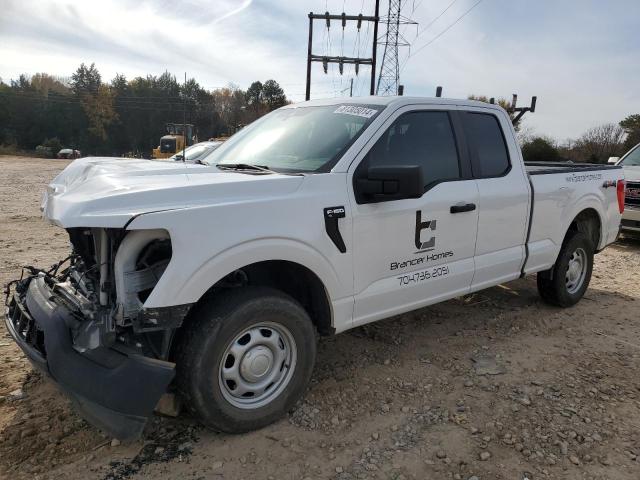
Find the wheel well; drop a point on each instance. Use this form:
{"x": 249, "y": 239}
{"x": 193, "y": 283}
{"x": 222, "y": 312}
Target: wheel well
{"x": 291, "y": 278}
{"x": 588, "y": 222}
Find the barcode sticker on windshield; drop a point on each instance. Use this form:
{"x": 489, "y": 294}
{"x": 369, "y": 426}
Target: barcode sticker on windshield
{"x": 358, "y": 111}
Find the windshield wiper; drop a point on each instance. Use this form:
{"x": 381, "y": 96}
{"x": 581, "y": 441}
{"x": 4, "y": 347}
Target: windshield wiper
{"x": 244, "y": 166}
{"x": 256, "y": 168}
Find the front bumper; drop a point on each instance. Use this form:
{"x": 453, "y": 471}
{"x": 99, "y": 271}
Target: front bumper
{"x": 113, "y": 389}
{"x": 631, "y": 219}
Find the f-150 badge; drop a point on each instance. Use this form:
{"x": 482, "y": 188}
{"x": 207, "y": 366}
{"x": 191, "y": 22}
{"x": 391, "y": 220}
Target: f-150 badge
{"x": 331, "y": 216}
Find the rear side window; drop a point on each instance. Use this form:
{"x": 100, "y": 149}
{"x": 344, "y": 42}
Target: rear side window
{"x": 420, "y": 138}
{"x": 489, "y": 154}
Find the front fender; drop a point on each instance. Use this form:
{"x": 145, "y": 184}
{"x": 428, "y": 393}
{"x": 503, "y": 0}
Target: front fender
{"x": 210, "y": 242}
{"x": 254, "y": 251}
{"x": 194, "y": 269}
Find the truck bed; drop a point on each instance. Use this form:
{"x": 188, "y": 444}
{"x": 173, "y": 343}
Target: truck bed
{"x": 560, "y": 191}
{"x": 545, "y": 168}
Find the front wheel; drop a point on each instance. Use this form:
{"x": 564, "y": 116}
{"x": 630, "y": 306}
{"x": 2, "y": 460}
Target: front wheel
{"x": 247, "y": 359}
{"x": 565, "y": 283}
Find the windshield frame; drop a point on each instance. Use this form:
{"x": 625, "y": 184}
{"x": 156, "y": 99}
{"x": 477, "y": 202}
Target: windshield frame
{"x": 633, "y": 151}
{"x": 327, "y": 166}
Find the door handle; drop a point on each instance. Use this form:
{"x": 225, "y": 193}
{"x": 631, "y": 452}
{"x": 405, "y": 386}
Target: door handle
{"x": 463, "y": 207}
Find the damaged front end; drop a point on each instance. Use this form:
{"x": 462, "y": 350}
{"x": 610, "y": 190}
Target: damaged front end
{"x": 84, "y": 323}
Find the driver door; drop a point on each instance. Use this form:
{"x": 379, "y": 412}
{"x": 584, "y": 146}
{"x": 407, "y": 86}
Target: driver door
{"x": 411, "y": 252}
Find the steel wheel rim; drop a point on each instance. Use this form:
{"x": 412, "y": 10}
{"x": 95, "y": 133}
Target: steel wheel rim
{"x": 257, "y": 365}
{"x": 576, "y": 270}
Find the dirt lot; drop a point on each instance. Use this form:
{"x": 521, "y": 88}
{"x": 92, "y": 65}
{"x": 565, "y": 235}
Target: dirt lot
{"x": 496, "y": 385}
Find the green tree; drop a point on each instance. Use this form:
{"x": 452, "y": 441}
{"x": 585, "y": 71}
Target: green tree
{"x": 254, "y": 94}
{"x": 100, "y": 114}
{"x": 119, "y": 138}
{"x": 273, "y": 95}
{"x": 86, "y": 80}
{"x": 631, "y": 126}
{"x": 123, "y": 116}
{"x": 540, "y": 149}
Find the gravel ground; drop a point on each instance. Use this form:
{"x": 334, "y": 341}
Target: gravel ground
{"x": 495, "y": 385}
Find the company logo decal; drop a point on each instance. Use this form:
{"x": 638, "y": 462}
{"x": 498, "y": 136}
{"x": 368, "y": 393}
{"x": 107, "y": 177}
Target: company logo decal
{"x": 420, "y": 226}
{"x": 423, "y": 229}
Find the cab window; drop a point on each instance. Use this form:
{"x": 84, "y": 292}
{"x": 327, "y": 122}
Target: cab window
{"x": 422, "y": 138}
{"x": 489, "y": 155}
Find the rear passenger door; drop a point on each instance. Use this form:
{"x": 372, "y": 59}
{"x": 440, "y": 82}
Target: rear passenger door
{"x": 504, "y": 196}
{"x": 411, "y": 252}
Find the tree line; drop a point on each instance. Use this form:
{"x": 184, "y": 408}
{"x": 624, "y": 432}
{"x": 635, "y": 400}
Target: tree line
{"x": 122, "y": 117}
{"x": 128, "y": 117}
{"x": 595, "y": 145}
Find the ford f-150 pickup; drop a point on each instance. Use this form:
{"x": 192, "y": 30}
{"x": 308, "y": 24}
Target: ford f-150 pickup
{"x": 213, "y": 280}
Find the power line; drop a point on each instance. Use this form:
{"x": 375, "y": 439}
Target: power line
{"x": 415, "y": 7}
{"x": 425, "y": 28}
{"x": 435, "y": 19}
{"x": 366, "y": 42}
{"x": 442, "y": 32}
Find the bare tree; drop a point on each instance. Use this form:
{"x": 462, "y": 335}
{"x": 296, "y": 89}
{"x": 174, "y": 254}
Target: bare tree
{"x": 599, "y": 143}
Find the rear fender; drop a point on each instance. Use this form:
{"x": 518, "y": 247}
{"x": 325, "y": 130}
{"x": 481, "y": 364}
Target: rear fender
{"x": 590, "y": 201}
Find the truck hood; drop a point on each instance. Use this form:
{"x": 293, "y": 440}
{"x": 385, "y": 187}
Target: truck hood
{"x": 108, "y": 192}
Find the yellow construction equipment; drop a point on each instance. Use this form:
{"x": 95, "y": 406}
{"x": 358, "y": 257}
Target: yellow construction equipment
{"x": 174, "y": 141}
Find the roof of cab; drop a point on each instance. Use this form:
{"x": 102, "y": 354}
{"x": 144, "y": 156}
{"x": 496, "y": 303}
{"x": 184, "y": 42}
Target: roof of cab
{"x": 395, "y": 101}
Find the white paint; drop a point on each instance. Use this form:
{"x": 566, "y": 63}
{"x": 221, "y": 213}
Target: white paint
{"x": 219, "y": 221}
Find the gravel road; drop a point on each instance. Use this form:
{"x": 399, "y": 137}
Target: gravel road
{"x": 495, "y": 385}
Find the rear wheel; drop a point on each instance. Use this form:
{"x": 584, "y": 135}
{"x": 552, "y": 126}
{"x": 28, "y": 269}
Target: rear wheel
{"x": 247, "y": 358}
{"x": 565, "y": 283}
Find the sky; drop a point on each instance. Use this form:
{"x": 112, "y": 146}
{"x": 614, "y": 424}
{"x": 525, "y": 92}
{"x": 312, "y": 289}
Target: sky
{"x": 580, "y": 57}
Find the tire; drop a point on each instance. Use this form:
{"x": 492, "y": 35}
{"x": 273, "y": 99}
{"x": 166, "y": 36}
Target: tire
{"x": 565, "y": 283}
{"x": 275, "y": 342}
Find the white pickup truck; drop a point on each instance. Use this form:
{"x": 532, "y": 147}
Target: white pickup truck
{"x": 631, "y": 216}
{"x": 212, "y": 280}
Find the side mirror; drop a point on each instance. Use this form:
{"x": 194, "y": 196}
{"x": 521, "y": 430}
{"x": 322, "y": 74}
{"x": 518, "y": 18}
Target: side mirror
{"x": 613, "y": 160}
{"x": 386, "y": 183}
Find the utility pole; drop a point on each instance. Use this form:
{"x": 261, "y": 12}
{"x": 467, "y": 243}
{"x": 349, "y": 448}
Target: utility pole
{"x": 341, "y": 60}
{"x": 374, "y": 54}
{"x": 184, "y": 119}
{"x": 388, "y": 81}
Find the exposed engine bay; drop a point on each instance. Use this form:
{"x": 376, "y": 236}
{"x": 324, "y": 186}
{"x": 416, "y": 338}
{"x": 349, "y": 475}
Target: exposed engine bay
{"x": 83, "y": 323}
{"x": 104, "y": 284}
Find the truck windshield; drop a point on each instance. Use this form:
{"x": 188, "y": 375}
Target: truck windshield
{"x": 632, "y": 159}
{"x": 302, "y": 139}
{"x": 194, "y": 152}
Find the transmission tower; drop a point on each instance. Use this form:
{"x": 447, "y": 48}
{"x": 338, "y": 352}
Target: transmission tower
{"x": 389, "y": 76}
